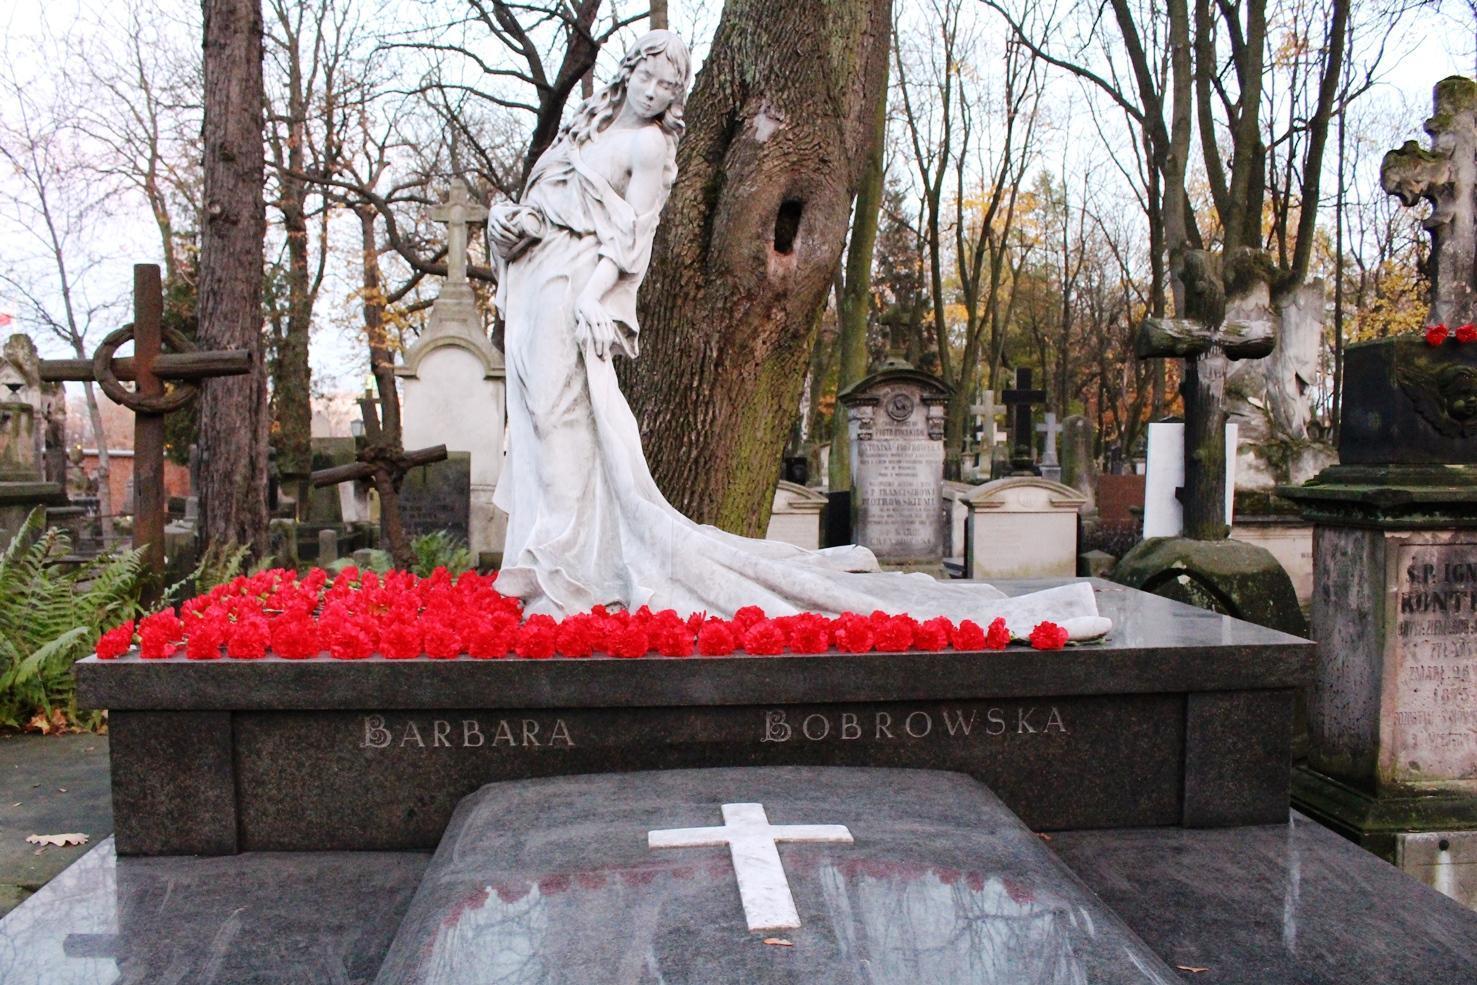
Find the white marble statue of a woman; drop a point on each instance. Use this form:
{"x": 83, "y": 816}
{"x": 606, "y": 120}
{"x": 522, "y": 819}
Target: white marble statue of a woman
{"x": 586, "y": 522}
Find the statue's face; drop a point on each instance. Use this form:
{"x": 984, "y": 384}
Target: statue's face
{"x": 653, "y": 87}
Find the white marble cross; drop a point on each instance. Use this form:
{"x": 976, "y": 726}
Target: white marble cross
{"x": 753, "y": 843}
{"x": 1051, "y": 429}
{"x": 986, "y": 416}
{"x": 458, "y": 211}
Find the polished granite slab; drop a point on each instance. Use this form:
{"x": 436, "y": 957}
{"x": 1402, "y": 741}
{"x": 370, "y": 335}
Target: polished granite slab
{"x": 259, "y": 919}
{"x": 1287, "y": 904}
{"x": 1182, "y": 716}
{"x": 552, "y": 882}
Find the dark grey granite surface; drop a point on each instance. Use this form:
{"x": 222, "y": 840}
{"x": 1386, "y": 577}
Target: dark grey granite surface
{"x": 264, "y": 919}
{"x": 1287, "y": 904}
{"x": 1182, "y": 717}
{"x": 551, "y": 881}
{"x": 1157, "y": 646}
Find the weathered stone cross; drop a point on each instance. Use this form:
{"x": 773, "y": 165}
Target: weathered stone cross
{"x": 458, "y": 212}
{"x": 753, "y": 843}
{"x": 1215, "y": 334}
{"x": 1446, "y": 176}
{"x": 986, "y": 414}
{"x": 1022, "y": 438}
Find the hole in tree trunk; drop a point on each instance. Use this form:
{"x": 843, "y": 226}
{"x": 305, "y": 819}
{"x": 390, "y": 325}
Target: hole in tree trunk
{"x": 787, "y": 225}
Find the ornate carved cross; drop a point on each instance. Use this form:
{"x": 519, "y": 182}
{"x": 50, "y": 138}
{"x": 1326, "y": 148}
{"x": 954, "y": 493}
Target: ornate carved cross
{"x": 458, "y": 211}
{"x": 150, "y": 369}
{"x": 1445, "y": 176}
{"x": 1207, "y": 341}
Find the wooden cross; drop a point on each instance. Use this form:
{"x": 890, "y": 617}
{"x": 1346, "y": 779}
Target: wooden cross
{"x": 458, "y": 211}
{"x": 1446, "y": 176}
{"x": 383, "y": 462}
{"x": 1207, "y": 344}
{"x": 1022, "y": 438}
{"x": 150, "y": 369}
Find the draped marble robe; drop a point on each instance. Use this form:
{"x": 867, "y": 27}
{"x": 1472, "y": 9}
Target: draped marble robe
{"x": 587, "y": 524}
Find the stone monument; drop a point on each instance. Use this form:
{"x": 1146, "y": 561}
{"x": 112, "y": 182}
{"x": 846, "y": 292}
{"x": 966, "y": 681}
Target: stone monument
{"x": 795, "y": 517}
{"x": 1392, "y": 719}
{"x": 1021, "y": 527}
{"x": 23, "y": 480}
{"x": 453, "y": 380}
{"x": 896, "y": 424}
{"x": 1079, "y": 463}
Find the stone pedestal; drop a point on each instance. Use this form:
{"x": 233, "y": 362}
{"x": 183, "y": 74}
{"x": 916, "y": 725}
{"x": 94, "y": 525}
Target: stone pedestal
{"x": 1022, "y": 527}
{"x": 1392, "y": 715}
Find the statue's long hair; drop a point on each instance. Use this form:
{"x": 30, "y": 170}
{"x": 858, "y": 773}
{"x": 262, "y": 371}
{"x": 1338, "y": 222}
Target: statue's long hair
{"x": 596, "y": 113}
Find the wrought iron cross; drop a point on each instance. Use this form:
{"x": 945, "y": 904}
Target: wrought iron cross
{"x": 1022, "y": 435}
{"x": 150, "y": 368}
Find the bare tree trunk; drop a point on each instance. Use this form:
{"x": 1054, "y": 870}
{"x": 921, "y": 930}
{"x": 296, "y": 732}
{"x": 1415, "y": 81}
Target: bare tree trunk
{"x": 781, "y": 127}
{"x": 382, "y": 366}
{"x": 233, "y": 411}
{"x": 856, "y": 295}
{"x": 658, "y": 15}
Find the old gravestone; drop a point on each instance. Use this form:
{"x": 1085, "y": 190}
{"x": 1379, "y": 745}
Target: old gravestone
{"x": 795, "y": 517}
{"x": 23, "y": 485}
{"x": 1079, "y": 465}
{"x": 1393, "y": 714}
{"x": 439, "y": 497}
{"x": 453, "y": 381}
{"x": 896, "y": 420}
{"x": 1024, "y": 526}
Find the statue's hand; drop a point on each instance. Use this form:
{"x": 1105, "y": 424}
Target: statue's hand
{"x": 593, "y": 325}
{"x": 512, "y": 229}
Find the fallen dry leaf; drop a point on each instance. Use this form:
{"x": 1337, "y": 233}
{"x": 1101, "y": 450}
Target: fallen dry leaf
{"x": 1191, "y": 968}
{"x": 779, "y": 942}
{"x": 59, "y": 841}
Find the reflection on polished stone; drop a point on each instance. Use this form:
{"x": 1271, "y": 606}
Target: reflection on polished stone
{"x": 1290, "y": 903}
{"x": 551, "y": 881}
{"x": 245, "y": 920}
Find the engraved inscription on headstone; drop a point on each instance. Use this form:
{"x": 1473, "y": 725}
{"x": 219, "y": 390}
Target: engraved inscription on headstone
{"x": 946, "y": 723}
{"x": 1436, "y": 662}
{"x": 463, "y": 732}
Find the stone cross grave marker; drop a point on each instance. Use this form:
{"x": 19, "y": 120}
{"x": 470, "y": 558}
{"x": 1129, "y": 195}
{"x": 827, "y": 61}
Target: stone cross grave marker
{"x": 1051, "y": 466}
{"x": 1207, "y": 342}
{"x": 151, "y": 368}
{"x": 1022, "y": 439}
{"x": 458, "y": 211}
{"x": 1445, "y": 176}
{"x": 987, "y": 431}
{"x": 753, "y": 843}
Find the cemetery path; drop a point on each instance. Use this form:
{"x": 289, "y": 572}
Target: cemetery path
{"x": 49, "y": 784}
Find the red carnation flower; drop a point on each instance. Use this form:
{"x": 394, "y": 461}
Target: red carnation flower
{"x": 716, "y": 638}
{"x": 674, "y": 641}
{"x": 969, "y": 636}
{"x": 1467, "y": 333}
{"x": 1048, "y": 636}
{"x": 853, "y": 633}
{"x": 576, "y": 636}
{"x": 1436, "y": 334}
{"x": 349, "y": 639}
{"x": 295, "y": 636}
{"x": 895, "y": 633}
{"x": 933, "y": 634}
{"x": 205, "y": 639}
{"x": 247, "y": 639}
{"x": 536, "y": 638}
{"x": 441, "y": 638}
{"x": 491, "y": 640}
{"x": 159, "y": 634}
{"x": 998, "y": 638}
{"x": 764, "y": 638}
{"x": 808, "y": 633}
{"x": 747, "y": 617}
{"x": 629, "y": 640}
{"x": 401, "y": 640}
{"x": 115, "y": 642}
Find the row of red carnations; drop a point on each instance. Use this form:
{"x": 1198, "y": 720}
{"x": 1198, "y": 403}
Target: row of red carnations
{"x": 403, "y": 617}
{"x": 1438, "y": 334}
